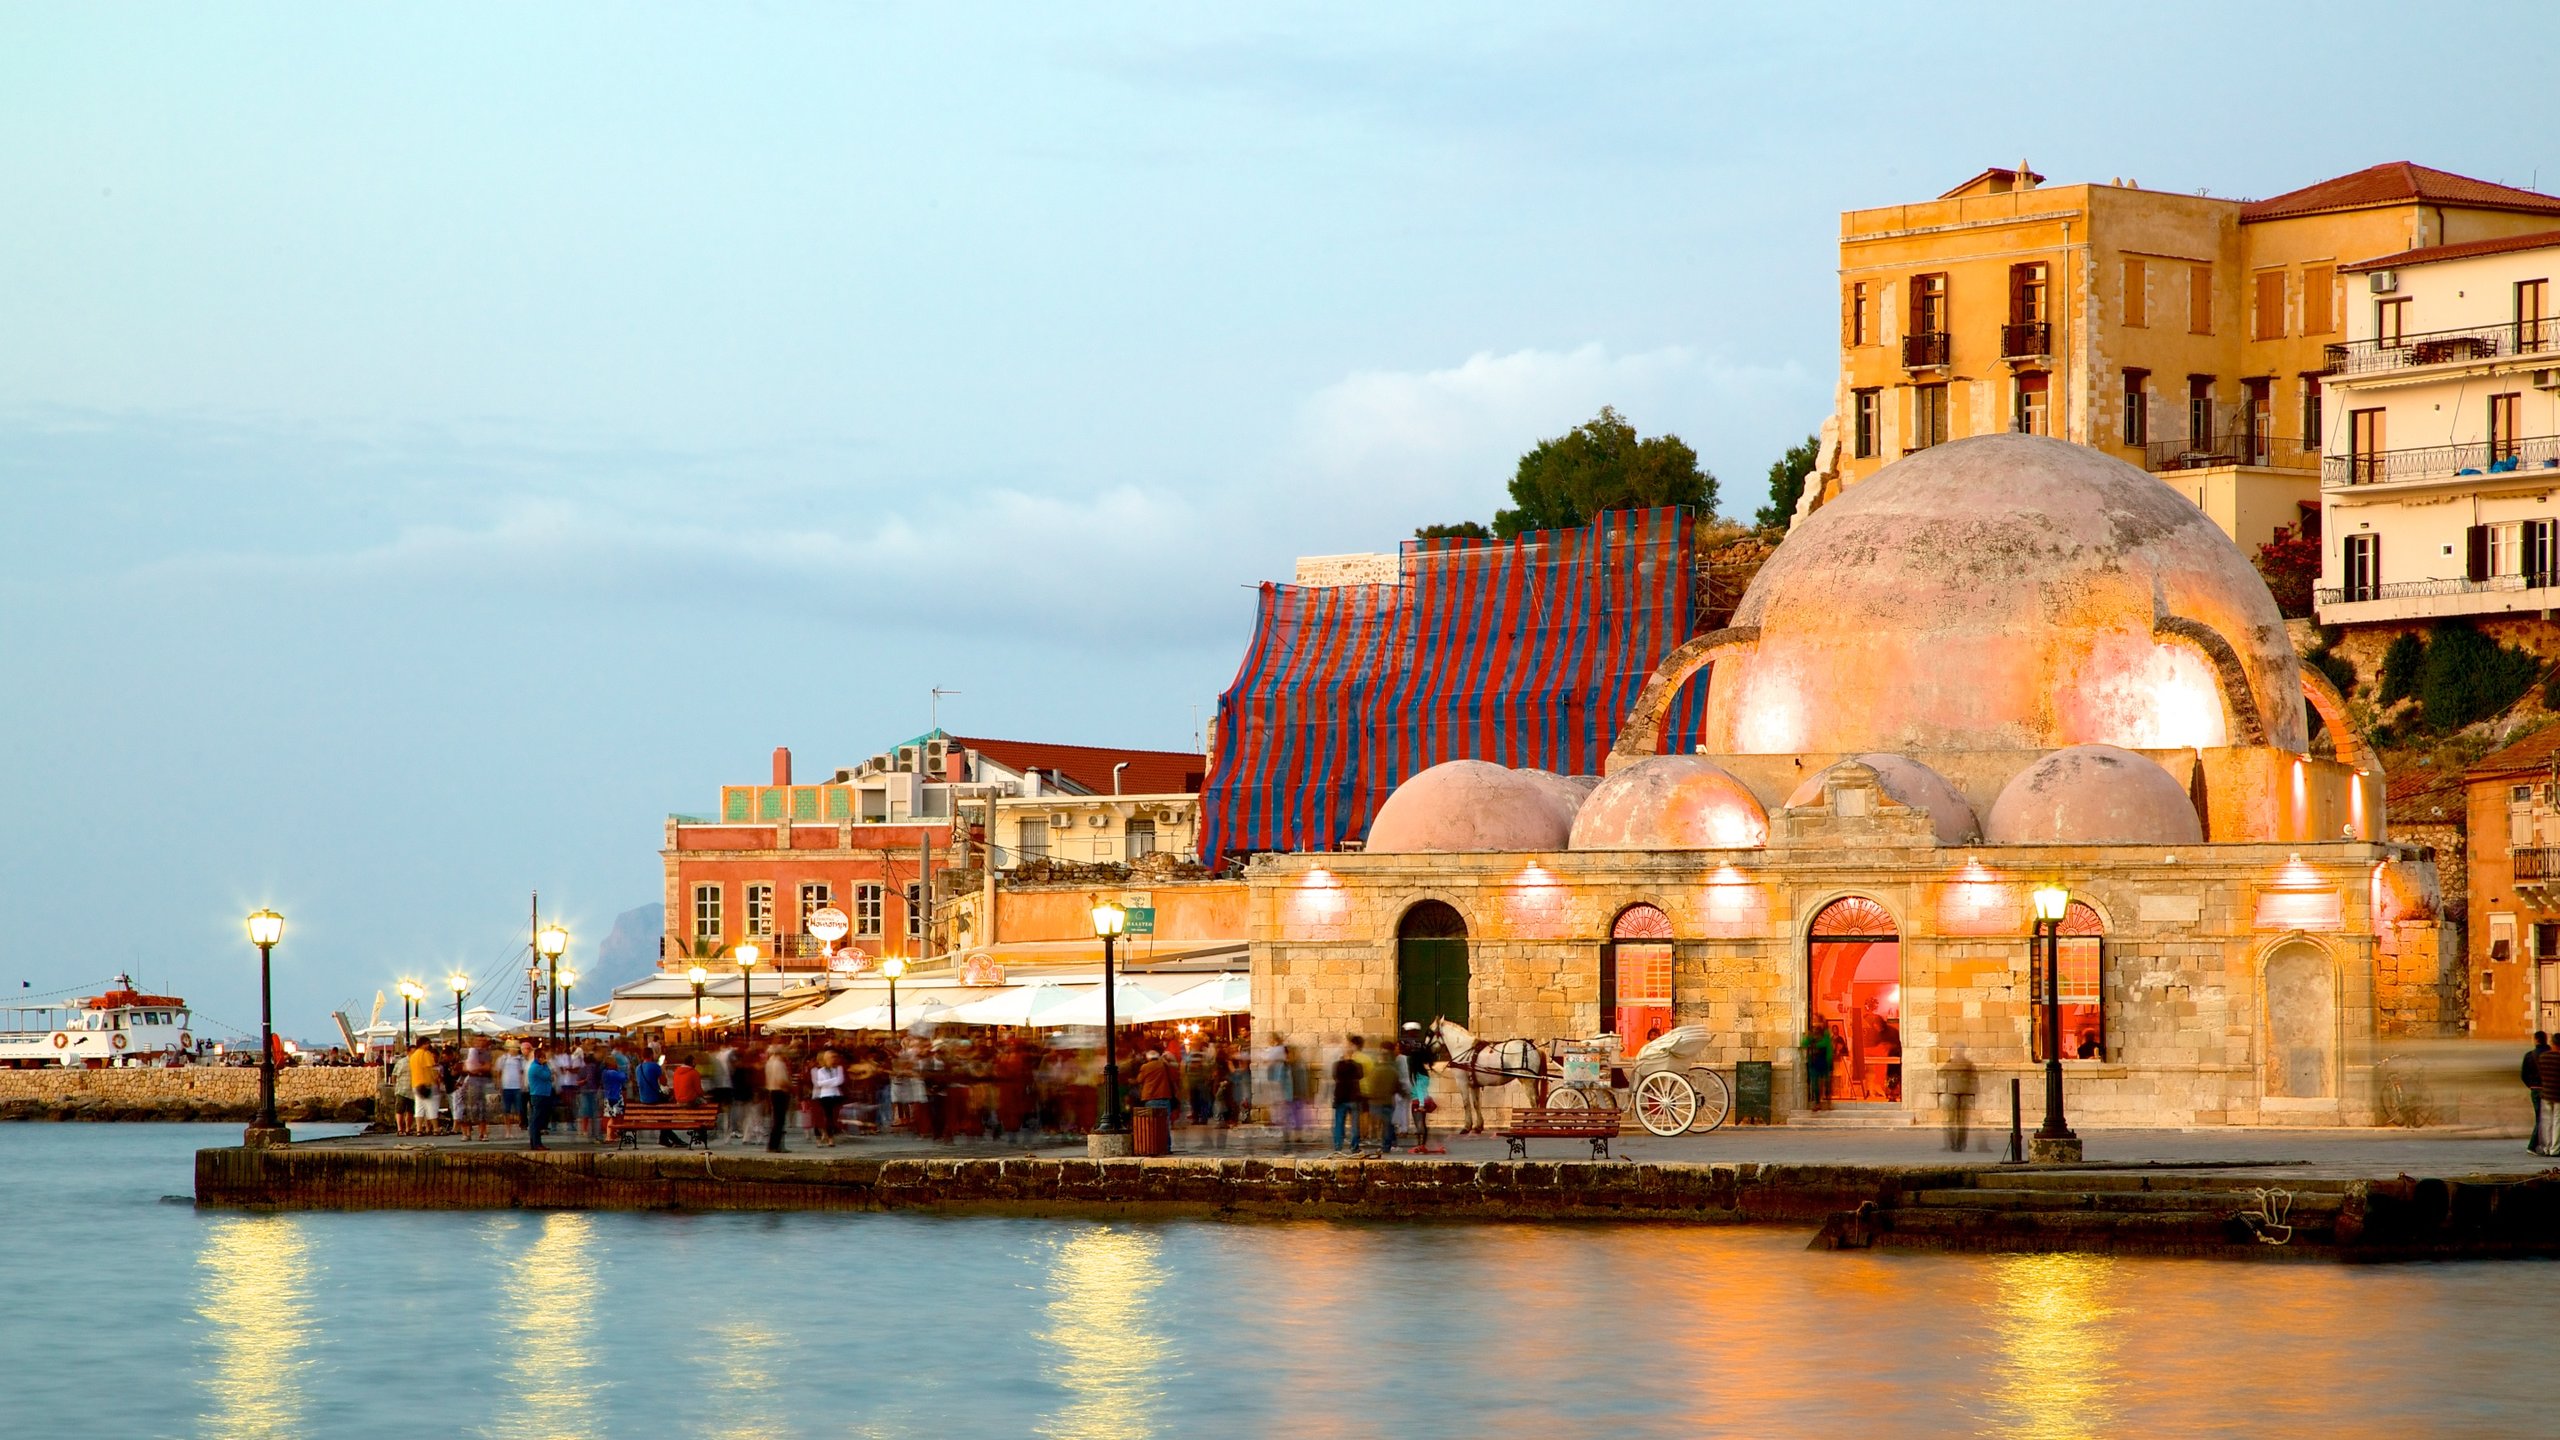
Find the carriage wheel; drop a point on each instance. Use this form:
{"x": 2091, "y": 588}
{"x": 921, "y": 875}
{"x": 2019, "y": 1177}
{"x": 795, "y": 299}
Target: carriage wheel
{"x": 1568, "y": 1097}
{"x": 1665, "y": 1103}
{"x": 1715, "y": 1099}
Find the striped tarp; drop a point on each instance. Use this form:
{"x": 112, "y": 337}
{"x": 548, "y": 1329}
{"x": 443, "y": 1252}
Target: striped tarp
{"x": 1523, "y": 652}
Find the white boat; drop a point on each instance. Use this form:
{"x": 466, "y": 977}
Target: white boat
{"x": 122, "y": 1027}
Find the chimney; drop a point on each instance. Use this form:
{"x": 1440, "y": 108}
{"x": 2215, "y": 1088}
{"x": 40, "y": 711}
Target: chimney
{"x": 2026, "y": 177}
{"x": 781, "y": 764}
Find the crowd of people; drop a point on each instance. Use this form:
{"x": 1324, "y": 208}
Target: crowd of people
{"x": 1016, "y": 1088}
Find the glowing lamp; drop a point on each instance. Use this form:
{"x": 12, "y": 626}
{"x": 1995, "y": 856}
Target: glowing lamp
{"x": 2051, "y": 902}
{"x": 266, "y": 927}
{"x": 697, "y": 975}
{"x": 460, "y": 982}
{"x": 894, "y": 967}
{"x": 748, "y": 955}
{"x": 552, "y": 941}
{"x": 568, "y": 978}
{"x": 1109, "y": 920}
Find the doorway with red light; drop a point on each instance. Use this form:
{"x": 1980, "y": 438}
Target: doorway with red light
{"x": 1854, "y": 963}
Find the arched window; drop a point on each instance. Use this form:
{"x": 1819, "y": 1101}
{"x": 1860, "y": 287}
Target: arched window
{"x": 2081, "y": 951}
{"x": 1635, "y": 977}
{"x": 1431, "y": 964}
{"x": 1854, "y": 953}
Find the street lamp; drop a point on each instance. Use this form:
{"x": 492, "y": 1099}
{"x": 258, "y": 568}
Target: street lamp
{"x": 699, "y": 977}
{"x": 1110, "y": 922}
{"x": 461, "y": 984}
{"x": 748, "y": 955}
{"x": 568, "y": 982}
{"x": 411, "y": 993}
{"x": 551, "y": 942}
{"x": 893, "y": 967}
{"x": 2054, "y": 1139}
{"x": 266, "y": 927}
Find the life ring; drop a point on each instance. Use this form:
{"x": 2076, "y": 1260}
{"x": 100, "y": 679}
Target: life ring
{"x": 117, "y": 1040}
{"x": 61, "y": 1039}
{"x": 186, "y": 1041}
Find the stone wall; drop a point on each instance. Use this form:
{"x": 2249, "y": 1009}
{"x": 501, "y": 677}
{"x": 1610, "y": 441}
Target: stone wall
{"x": 193, "y": 1093}
{"x": 422, "y": 1178}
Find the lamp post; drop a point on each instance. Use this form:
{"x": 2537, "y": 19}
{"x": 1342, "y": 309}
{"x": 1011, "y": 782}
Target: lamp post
{"x": 568, "y": 982}
{"x": 266, "y": 927}
{"x": 699, "y": 977}
{"x": 1110, "y": 922}
{"x": 411, "y": 992}
{"x": 461, "y": 984}
{"x": 748, "y": 955}
{"x": 551, "y": 942}
{"x": 893, "y": 967}
{"x": 2054, "y": 1140}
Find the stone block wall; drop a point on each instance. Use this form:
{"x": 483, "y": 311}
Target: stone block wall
{"x": 193, "y": 1093}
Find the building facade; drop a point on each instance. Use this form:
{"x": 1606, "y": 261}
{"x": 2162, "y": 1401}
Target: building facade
{"x": 2182, "y": 333}
{"x": 2513, "y": 798}
{"x": 2444, "y": 437}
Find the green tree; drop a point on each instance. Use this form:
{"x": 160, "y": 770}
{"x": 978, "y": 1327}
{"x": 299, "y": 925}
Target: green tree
{"x": 1454, "y": 530}
{"x": 2469, "y": 677}
{"x": 1786, "y": 484}
{"x": 2402, "y": 661}
{"x": 1602, "y": 465}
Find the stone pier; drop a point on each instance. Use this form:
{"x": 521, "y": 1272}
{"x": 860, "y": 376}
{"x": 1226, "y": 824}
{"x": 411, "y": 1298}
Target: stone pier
{"x": 303, "y": 1093}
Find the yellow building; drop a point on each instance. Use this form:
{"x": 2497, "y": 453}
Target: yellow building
{"x": 2186, "y": 334}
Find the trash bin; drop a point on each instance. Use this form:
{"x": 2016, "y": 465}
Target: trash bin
{"x": 1150, "y": 1131}
{"x": 1751, "y": 1085}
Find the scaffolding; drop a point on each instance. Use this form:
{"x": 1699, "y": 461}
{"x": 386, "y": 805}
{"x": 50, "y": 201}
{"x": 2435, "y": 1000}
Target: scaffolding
{"x": 1523, "y": 652}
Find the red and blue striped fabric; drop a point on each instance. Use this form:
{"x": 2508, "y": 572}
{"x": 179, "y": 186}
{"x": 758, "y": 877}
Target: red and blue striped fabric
{"x": 1523, "y": 652}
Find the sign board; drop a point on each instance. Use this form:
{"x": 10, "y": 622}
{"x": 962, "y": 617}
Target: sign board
{"x": 1751, "y": 1084}
{"x": 1142, "y": 920}
{"x": 981, "y": 968}
{"x": 829, "y": 924}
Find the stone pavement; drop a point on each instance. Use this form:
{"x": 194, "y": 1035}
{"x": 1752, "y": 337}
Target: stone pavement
{"x": 2323, "y": 1153}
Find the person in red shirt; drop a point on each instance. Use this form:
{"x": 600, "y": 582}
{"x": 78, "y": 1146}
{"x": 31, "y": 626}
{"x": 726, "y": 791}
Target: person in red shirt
{"x": 684, "y": 1083}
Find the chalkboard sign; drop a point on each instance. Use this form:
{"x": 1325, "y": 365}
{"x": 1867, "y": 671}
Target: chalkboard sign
{"x": 1751, "y": 1082}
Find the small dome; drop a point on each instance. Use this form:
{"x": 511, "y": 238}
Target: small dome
{"x": 1475, "y": 805}
{"x": 1908, "y": 782}
{"x": 1671, "y": 802}
{"x": 2093, "y": 795}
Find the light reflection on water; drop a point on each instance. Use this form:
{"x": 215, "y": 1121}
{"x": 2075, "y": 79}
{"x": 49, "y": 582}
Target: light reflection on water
{"x": 524, "y": 1324}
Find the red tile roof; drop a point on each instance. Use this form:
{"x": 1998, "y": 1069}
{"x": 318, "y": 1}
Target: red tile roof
{"x": 2007, "y": 177}
{"x": 1150, "y": 772}
{"x": 2539, "y": 240}
{"x": 2532, "y": 753}
{"x": 2396, "y": 183}
{"x": 2429, "y": 795}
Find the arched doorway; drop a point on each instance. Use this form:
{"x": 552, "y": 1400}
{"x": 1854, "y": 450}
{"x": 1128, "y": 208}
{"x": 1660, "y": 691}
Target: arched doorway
{"x": 1635, "y": 977}
{"x": 2302, "y": 1022}
{"x": 1431, "y": 965}
{"x": 2080, "y": 950}
{"x": 1854, "y": 954}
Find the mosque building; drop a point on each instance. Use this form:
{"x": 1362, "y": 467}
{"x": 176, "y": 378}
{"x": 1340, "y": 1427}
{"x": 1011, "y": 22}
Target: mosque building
{"x": 2002, "y": 663}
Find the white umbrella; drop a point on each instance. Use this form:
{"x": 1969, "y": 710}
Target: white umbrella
{"x": 1128, "y": 998}
{"x": 1225, "y": 995}
{"x": 912, "y": 1010}
{"x": 1030, "y": 1004}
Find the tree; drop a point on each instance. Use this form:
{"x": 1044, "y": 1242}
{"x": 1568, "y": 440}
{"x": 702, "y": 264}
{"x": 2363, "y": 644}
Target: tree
{"x": 1454, "y": 530}
{"x": 2290, "y": 566}
{"x": 2469, "y": 677}
{"x": 1602, "y": 465}
{"x": 1786, "y": 484}
{"x": 2402, "y": 661}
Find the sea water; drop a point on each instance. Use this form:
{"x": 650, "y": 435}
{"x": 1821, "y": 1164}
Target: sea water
{"x": 130, "y": 1312}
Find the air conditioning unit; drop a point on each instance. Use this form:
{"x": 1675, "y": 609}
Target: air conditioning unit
{"x": 2546, "y": 379}
{"x": 877, "y": 765}
{"x": 1060, "y": 819}
{"x": 936, "y": 754}
{"x": 2383, "y": 282}
{"x": 1097, "y": 819}
{"x": 909, "y": 756}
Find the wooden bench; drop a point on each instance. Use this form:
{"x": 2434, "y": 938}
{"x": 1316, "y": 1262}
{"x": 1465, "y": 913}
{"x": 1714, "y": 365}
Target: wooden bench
{"x": 1540, "y": 1123}
{"x": 700, "y": 1119}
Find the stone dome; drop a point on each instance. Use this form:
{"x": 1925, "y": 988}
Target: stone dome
{"x": 1910, "y": 783}
{"x": 1475, "y": 805}
{"x": 1671, "y": 802}
{"x": 2093, "y": 795}
{"x": 2006, "y": 592}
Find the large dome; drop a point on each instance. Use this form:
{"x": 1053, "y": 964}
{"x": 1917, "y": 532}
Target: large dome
{"x": 1463, "y": 805}
{"x": 2007, "y": 592}
{"x": 1671, "y": 802}
{"x": 2093, "y": 795}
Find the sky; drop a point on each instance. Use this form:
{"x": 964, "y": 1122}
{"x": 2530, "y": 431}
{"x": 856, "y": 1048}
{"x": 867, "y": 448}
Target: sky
{"x": 437, "y": 442}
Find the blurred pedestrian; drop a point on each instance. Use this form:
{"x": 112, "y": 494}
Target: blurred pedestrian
{"x": 1382, "y": 1086}
{"x": 473, "y": 1121}
{"x": 777, "y": 1095}
{"x": 422, "y": 1087}
{"x": 2541, "y": 1143}
{"x": 538, "y": 1097}
{"x": 1957, "y": 1081}
{"x": 826, "y": 1086}
{"x": 511, "y": 1085}
{"x": 2546, "y": 1067}
{"x": 1816, "y": 1046}
{"x": 1348, "y": 1072}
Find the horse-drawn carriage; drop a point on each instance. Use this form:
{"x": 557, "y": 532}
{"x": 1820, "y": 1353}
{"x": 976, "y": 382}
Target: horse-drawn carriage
{"x": 1667, "y": 1084}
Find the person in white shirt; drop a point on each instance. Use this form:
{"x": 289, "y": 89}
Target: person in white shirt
{"x": 826, "y": 1086}
{"x": 511, "y": 1086}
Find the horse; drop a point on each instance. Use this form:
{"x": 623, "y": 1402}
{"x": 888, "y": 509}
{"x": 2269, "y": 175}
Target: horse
{"x": 1486, "y": 1064}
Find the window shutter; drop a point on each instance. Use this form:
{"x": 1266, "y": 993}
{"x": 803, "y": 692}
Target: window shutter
{"x": 2476, "y": 546}
{"x": 2017, "y": 294}
{"x": 2137, "y": 308}
{"x": 1919, "y": 289}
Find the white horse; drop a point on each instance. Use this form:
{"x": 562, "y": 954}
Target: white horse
{"x": 1486, "y": 1065}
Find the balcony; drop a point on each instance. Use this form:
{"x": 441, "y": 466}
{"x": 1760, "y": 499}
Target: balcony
{"x": 2536, "y": 862}
{"x": 2434, "y": 589}
{"x": 1925, "y": 349}
{"x": 2273, "y": 452}
{"x": 2441, "y": 462}
{"x": 2443, "y": 347}
{"x": 2031, "y": 340}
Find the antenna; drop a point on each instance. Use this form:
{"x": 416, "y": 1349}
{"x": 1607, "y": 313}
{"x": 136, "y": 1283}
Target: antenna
{"x": 938, "y": 693}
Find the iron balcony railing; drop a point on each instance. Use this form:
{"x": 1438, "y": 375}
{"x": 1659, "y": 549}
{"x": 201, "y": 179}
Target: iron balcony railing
{"x": 2236, "y": 447}
{"x": 2440, "y": 347}
{"x": 2435, "y": 462}
{"x": 2537, "y": 862}
{"x": 2430, "y": 589}
{"x": 2031, "y": 337}
{"x": 1925, "y": 348}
